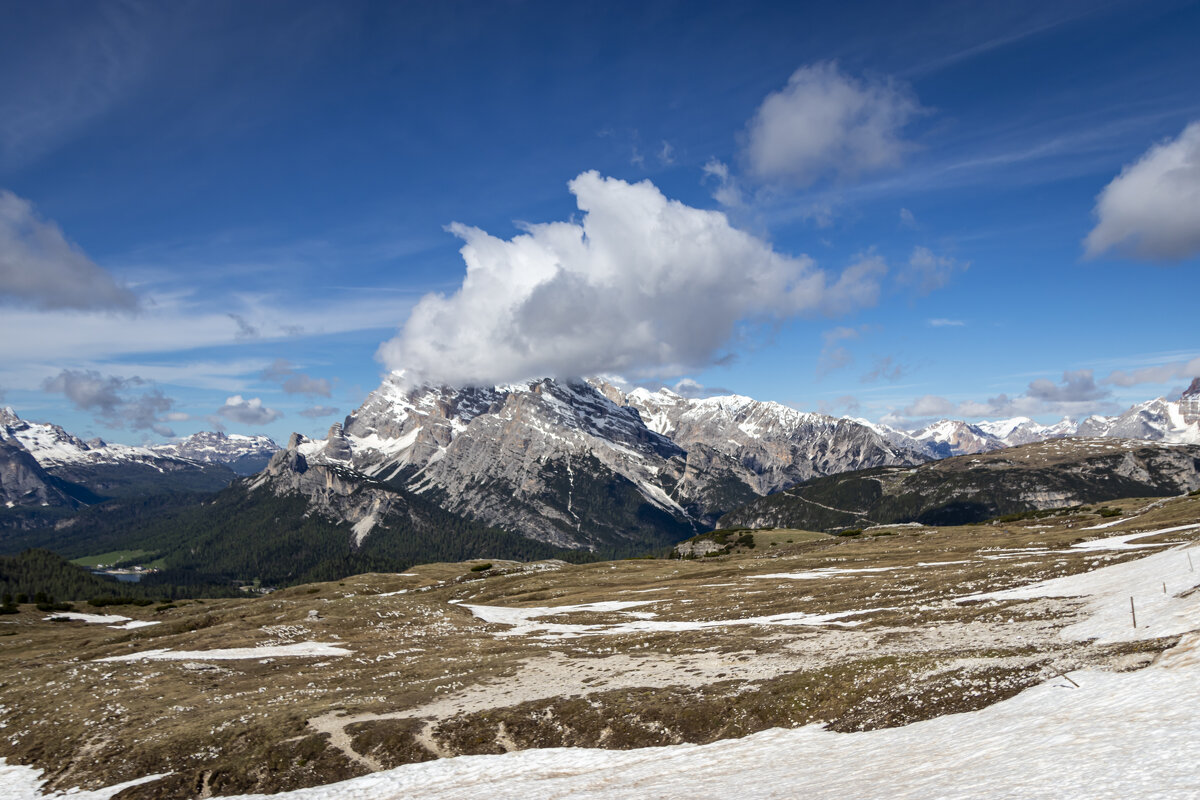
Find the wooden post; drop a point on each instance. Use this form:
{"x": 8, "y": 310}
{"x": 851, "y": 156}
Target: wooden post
{"x": 1068, "y": 677}
{"x": 1164, "y": 587}
{"x": 1132, "y": 612}
{"x": 1191, "y": 568}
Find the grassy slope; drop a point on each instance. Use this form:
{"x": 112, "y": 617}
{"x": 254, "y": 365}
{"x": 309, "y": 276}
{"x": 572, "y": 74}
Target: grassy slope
{"x": 428, "y": 678}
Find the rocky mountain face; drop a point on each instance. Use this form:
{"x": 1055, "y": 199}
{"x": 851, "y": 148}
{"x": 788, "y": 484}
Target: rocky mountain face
{"x": 558, "y": 462}
{"x": 582, "y": 464}
{"x": 965, "y": 489}
{"x": 23, "y": 482}
{"x": 1158, "y": 420}
{"x": 335, "y": 492}
{"x": 768, "y": 445}
{"x": 245, "y": 455}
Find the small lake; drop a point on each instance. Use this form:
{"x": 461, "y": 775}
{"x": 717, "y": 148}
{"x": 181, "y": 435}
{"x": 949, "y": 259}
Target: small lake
{"x": 124, "y": 577}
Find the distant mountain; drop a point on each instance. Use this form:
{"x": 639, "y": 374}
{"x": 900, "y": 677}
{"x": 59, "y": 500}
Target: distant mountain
{"x": 972, "y": 488}
{"x": 89, "y": 471}
{"x": 245, "y": 455}
{"x": 1158, "y": 420}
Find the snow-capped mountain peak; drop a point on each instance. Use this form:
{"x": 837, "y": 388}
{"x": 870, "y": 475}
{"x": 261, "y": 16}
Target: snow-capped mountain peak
{"x": 243, "y": 454}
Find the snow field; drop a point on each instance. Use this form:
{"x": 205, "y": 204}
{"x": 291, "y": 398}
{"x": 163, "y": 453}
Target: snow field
{"x": 111, "y": 620}
{"x": 523, "y": 621}
{"x": 305, "y": 649}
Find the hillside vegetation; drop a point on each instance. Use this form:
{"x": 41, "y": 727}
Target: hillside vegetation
{"x": 974, "y": 488}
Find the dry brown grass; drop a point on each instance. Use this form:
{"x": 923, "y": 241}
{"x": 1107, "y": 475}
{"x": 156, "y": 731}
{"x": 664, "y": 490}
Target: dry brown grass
{"x": 427, "y": 678}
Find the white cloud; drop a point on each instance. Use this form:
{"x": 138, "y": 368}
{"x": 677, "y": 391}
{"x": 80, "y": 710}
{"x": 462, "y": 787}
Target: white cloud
{"x": 940, "y": 322}
{"x": 1076, "y": 386}
{"x": 886, "y": 368}
{"x": 824, "y": 122}
{"x": 846, "y": 403}
{"x": 927, "y": 272}
{"x": 1152, "y": 209}
{"x": 666, "y": 154}
{"x": 929, "y": 406}
{"x": 107, "y": 397}
{"x": 833, "y": 355}
{"x": 1185, "y": 370}
{"x": 41, "y": 268}
{"x": 641, "y": 285}
{"x": 317, "y": 412}
{"x": 728, "y": 193}
{"x": 294, "y": 382}
{"x": 1075, "y": 395}
{"x": 248, "y": 411}
{"x": 907, "y": 219}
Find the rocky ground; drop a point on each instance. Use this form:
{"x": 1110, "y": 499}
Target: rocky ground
{"x": 317, "y": 683}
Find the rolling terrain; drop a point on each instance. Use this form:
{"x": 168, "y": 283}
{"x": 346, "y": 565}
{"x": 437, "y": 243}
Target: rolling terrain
{"x": 334, "y": 680}
{"x": 966, "y": 489}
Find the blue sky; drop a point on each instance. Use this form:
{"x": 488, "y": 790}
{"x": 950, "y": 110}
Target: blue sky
{"x": 216, "y": 213}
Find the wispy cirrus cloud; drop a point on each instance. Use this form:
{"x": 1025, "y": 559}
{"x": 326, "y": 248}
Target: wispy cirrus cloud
{"x": 74, "y": 78}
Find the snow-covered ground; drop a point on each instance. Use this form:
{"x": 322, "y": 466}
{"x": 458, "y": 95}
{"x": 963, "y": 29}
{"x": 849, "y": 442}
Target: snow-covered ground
{"x": 523, "y": 621}
{"x": 1122, "y": 542}
{"x": 111, "y": 620}
{"x": 306, "y": 649}
{"x": 1160, "y": 588}
{"x": 820, "y": 572}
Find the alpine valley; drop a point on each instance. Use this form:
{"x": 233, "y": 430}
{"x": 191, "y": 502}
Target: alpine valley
{"x": 576, "y": 469}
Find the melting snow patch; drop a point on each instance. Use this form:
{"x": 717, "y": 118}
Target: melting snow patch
{"x": 1114, "y": 523}
{"x": 1122, "y": 542}
{"x": 95, "y": 619}
{"x": 522, "y": 620}
{"x": 823, "y": 572}
{"x": 135, "y": 623}
{"x": 306, "y": 649}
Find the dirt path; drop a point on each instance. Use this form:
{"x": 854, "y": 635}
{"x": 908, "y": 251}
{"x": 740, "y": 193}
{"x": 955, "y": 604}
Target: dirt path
{"x": 335, "y": 725}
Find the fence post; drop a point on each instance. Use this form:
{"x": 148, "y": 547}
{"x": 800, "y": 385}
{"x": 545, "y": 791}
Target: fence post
{"x": 1133, "y": 612}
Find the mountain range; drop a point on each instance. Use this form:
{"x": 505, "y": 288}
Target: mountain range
{"x": 578, "y": 464}
{"x": 43, "y": 465}
{"x": 961, "y": 490}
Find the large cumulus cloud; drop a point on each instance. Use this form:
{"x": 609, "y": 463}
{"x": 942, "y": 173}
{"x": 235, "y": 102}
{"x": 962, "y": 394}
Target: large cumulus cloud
{"x": 639, "y": 285}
